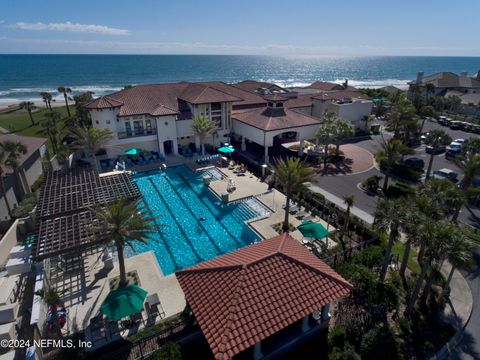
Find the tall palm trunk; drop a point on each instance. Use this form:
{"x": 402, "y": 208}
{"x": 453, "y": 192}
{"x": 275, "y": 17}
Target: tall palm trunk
{"x": 94, "y": 160}
{"x": 430, "y": 164}
{"x": 286, "y": 225}
{"x": 406, "y": 255}
{"x": 5, "y": 197}
{"x": 449, "y": 279}
{"x": 121, "y": 264}
{"x": 31, "y": 116}
{"x": 325, "y": 156}
{"x": 416, "y": 289}
{"x": 388, "y": 250}
{"x": 428, "y": 286}
{"x": 66, "y": 103}
{"x": 385, "y": 181}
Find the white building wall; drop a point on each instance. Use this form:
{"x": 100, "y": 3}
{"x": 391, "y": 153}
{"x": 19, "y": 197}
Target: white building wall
{"x": 251, "y": 133}
{"x": 353, "y": 112}
{"x": 12, "y": 199}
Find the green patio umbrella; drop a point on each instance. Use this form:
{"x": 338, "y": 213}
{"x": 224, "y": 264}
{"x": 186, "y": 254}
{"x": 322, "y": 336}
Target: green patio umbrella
{"x": 226, "y": 149}
{"x": 123, "y": 302}
{"x": 132, "y": 151}
{"x": 313, "y": 230}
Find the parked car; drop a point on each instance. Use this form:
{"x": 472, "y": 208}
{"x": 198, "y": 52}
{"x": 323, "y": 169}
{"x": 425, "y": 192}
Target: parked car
{"x": 452, "y": 153}
{"x": 461, "y": 141}
{"x": 414, "y": 163}
{"x": 456, "y": 125}
{"x": 446, "y": 174}
{"x": 442, "y": 120}
{"x": 423, "y": 137}
{"x": 454, "y": 145}
{"x": 438, "y": 150}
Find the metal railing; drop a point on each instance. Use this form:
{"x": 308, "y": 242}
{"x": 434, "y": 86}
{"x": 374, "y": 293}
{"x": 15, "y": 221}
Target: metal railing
{"x": 136, "y": 133}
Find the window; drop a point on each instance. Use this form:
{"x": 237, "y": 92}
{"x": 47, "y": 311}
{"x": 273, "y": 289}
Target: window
{"x": 279, "y": 105}
{"x": 216, "y": 106}
{"x": 270, "y": 104}
{"x": 128, "y": 128}
{"x": 138, "y": 127}
{"x": 148, "y": 126}
{"x": 96, "y": 122}
{"x": 108, "y": 121}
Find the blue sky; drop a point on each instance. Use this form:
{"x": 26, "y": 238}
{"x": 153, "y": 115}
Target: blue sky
{"x": 293, "y": 27}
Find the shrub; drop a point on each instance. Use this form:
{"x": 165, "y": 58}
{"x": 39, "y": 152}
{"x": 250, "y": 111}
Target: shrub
{"x": 371, "y": 183}
{"x": 25, "y": 206}
{"x": 169, "y": 351}
{"x": 370, "y": 257}
{"x": 347, "y": 353}
{"x": 336, "y": 337}
{"x": 379, "y": 344}
{"x": 399, "y": 190}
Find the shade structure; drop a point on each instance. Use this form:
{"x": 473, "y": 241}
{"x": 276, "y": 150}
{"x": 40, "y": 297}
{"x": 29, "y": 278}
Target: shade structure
{"x": 313, "y": 230}
{"x": 226, "y": 149}
{"x": 132, "y": 151}
{"x": 123, "y": 302}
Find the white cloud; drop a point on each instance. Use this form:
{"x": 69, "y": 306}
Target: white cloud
{"x": 72, "y": 27}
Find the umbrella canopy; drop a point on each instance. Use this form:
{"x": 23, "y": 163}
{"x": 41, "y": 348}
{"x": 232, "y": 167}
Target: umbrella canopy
{"x": 313, "y": 230}
{"x": 132, "y": 151}
{"x": 226, "y": 149}
{"x": 123, "y": 302}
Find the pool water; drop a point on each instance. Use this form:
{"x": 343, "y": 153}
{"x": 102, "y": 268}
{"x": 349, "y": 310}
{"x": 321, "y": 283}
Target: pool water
{"x": 193, "y": 225}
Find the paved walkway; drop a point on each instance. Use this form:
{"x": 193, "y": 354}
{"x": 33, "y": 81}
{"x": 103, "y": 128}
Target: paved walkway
{"x": 357, "y": 160}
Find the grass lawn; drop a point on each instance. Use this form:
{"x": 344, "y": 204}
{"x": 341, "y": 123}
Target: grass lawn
{"x": 19, "y": 122}
{"x": 412, "y": 264}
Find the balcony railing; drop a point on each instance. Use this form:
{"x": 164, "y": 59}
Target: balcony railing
{"x": 136, "y": 133}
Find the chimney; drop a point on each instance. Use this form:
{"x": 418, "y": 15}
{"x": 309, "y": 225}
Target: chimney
{"x": 419, "y": 77}
{"x": 345, "y": 84}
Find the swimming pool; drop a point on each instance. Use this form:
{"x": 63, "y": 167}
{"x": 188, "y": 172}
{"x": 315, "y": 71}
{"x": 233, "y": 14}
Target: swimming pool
{"x": 193, "y": 225}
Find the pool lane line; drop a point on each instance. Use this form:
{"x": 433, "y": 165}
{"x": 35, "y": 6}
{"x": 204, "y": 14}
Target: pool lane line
{"x": 219, "y": 250}
{"x": 159, "y": 230}
{"x": 210, "y": 210}
{"x": 194, "y": 251}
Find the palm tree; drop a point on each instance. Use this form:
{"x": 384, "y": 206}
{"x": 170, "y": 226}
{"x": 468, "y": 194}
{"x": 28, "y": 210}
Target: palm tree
{"x": 433, "y": 238}
{"x": 412, "y": 218}
{"x": 436, "y": 139}
{"x": 348, "y": 200}
{"x": 52, "y": 298}
{"x": 392, "y": 153}
{"x": 3, "y": 164}
{"x": 126, "y": 224}
{"x": 429, "y": 89}
{"x": 14, "y": 150}
{"x": 203, "y": 126}
{"x": 462, "y": 245}
{"x": 291, "y": 174}
{"x": 402, "y": 113}
{"x": 388, "y": 217}
{"x": 47, "y": 99}
{"x": 65, "y": 90}
{"x": 344, "y": 129}
{"x": 325, "y": 136}
{"x": 50, "y": 124}
{"x": 28, "y": 105}
{"x": 90, "y": 140}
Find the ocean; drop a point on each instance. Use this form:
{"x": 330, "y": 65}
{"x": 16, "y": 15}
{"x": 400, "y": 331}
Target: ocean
{"x": 25, "y": 76}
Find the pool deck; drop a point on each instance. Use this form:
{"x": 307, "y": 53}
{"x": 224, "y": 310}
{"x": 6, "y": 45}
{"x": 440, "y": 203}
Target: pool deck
{"x": 246, "y": 186}
{"x": 86, "y": 291}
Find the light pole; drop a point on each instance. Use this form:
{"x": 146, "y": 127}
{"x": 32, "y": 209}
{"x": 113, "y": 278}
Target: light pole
{"x": 264, "y": 168}
{"x": 332, "y": 217}
{"x": 273, "y": 190}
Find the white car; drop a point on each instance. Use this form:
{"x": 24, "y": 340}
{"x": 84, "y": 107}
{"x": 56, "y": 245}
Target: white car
{"x": 461, "y": 141}
{"x": 454, "y": 145}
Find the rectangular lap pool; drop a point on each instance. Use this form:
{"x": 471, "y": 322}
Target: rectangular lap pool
{"x": 193, "y": 225}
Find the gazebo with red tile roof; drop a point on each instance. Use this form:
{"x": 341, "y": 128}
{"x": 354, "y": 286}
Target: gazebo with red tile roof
{"x": 243, "y": 297}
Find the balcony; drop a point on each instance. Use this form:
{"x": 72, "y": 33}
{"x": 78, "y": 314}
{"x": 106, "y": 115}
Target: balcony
{"x": 136, "y": 133}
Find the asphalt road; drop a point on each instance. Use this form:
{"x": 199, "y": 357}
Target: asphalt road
{"x": 341, "y": 185}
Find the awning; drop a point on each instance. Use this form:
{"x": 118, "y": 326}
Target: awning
{"x": 123, "y": 302}
{"x": 313, "y": 230}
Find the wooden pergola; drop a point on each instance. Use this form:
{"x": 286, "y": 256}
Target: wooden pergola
{"x": 66, "y": 222}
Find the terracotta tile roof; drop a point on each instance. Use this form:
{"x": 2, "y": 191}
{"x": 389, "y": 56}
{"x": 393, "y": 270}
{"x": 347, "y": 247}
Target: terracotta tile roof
{"x": 301, "y": 100}
{"x": 32, "y": 144}
{"x": 246, "y": 98}
{"x": 104, "y": 102}
{"x": 325, "y": 86}
{"x": 338, "y": 95}
{"x": 198, "y": 93}
{"x": 247, "y": 295}
{"x": 275, "y": 97}
{"x": 252, "y": 85}
{"x": 274, "y": 119}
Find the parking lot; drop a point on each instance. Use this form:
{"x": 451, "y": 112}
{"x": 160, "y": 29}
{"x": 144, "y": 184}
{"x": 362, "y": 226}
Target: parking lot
{"x": 341, "y": 185}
